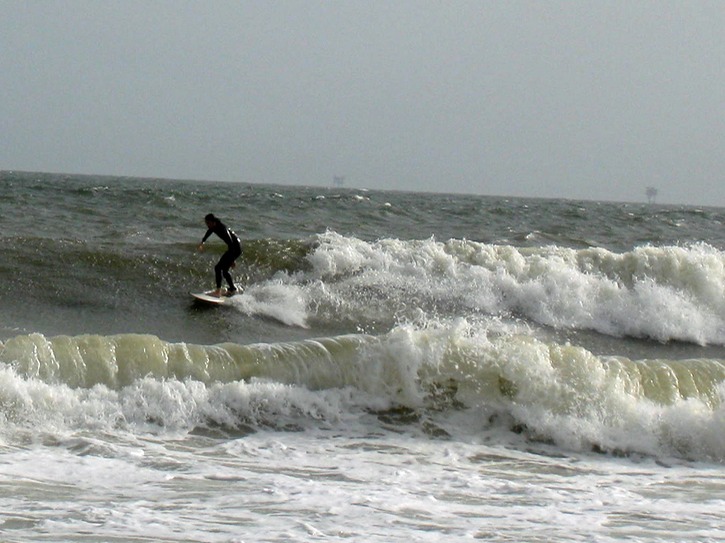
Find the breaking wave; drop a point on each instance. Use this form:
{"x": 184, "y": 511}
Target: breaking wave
{"x": 453, "y": 378}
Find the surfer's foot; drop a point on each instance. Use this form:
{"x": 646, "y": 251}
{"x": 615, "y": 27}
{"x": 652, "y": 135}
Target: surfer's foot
{"x": 230, "y": 292}
{"x": 217, "y": 293}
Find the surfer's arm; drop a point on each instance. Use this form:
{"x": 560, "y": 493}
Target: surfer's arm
{"x": 206, "y": 237}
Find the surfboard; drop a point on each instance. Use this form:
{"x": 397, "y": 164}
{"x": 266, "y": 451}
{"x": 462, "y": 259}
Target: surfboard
{"x": 209, "y": 298}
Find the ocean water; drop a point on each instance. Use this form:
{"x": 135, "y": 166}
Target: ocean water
{"x": 399, "y": 367}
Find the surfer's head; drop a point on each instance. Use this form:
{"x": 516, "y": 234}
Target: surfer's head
{"x": 211, "y": 220}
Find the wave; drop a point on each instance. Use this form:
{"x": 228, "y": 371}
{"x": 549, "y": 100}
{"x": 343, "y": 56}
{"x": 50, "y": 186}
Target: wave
{"x": 662, "y": 293}
{"x": 668, "y": 293}
{"x": 454, "y": 380}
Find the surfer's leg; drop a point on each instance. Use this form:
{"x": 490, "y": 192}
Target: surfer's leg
{"x": 222, "y": 269}
{"x": 233, "y": 253}
{"x": 228, "y": 277}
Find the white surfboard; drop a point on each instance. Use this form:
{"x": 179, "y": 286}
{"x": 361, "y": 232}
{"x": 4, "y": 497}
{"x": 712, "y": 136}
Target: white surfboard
{"x": 209, "y": 298}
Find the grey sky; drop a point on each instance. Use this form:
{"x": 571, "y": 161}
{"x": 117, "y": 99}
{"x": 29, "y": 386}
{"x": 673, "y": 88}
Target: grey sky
{"x": 588, "y": 99}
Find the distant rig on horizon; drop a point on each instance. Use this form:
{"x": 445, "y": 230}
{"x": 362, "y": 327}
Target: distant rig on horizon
{"x": 651, "y": 193}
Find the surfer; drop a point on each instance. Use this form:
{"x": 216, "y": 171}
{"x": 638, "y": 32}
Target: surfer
{"x": 234, "y": 250}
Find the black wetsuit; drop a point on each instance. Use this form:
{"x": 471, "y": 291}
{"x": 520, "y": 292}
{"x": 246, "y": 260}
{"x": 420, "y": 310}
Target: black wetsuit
{"x": 234, "y": 250}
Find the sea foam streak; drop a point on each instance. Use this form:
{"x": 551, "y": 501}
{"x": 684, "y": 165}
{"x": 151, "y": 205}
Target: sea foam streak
{"x": 550, "y": 392}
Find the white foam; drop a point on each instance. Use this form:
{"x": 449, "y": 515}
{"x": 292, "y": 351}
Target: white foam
{"x": 344, "y": 484}
{"x": 663, "y": 293}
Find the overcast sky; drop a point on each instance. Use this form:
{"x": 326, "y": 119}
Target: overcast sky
{"x": 580, "y": 99}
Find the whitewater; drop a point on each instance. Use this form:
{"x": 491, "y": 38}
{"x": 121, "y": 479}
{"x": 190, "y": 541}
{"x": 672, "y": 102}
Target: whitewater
{"x": 398, "y": 367}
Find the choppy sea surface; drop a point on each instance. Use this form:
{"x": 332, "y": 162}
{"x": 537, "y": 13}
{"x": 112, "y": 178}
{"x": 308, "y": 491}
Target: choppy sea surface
{"x": 399, "y": 366}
